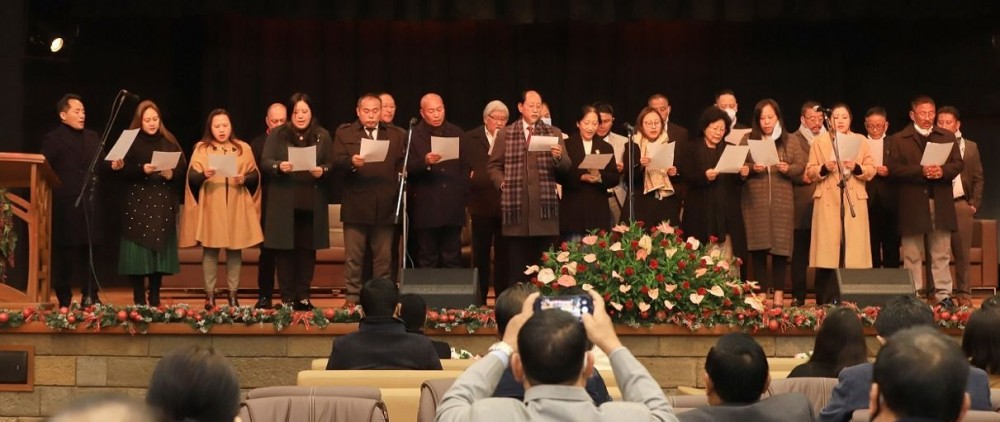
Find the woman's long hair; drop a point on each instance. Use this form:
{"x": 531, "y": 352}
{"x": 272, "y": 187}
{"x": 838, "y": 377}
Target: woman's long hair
{"x": 207, "y": 138}
{"x": 840, "y": 341}
{"x": 981, "y": 340}
{"x": 137, "y": 121}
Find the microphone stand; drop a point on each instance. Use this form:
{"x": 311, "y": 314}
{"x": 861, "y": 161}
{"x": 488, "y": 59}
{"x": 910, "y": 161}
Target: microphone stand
{"x": 842, "y": 184}
{"x": 401, "y": 199}
{"x": 631, "y": 171}
{"x": 90, "y": 184}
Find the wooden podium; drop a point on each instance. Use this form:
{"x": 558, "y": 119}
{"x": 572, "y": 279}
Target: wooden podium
{"x": 33, "y": 172}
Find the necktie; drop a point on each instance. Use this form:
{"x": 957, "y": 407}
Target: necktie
{"x": 369, "y": 131}
{"x": 527, "y": 142}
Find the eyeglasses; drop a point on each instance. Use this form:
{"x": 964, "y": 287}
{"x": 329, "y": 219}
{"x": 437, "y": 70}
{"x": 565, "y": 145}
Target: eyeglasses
{"x": 878, "y": 126}
{"x": 500, "y": 119}
{"x": 655, "y": 123}
{"x": 925, "y": 114}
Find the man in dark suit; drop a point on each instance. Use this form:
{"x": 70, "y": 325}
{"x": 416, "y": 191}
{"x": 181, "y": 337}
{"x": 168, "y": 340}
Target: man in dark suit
{"x": 484, "y": 201}
{"x": 919, "y": 375}
{"x": 967, "y": 189}
{"x": 381, "y": 341}
{"x": 69, "y": 148}
{"x": 810, "y": 126}
{"x": 881, "y": 195}
{"x": 413, "y": 312}
{"x": 370, "y": 190}
{"x": 926, "y": 207}
{"x": 725, "y": 100}
{"x": 675, "y": 132}
{"x": 436, "y": 189}
{"x": 276, "y": 116}
{"x": 736, "y": 374}
{"x": 854, "y": 383}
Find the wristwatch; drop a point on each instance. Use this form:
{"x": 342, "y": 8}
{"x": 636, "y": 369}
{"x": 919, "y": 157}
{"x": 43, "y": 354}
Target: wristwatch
{"x": 502, "y": 347}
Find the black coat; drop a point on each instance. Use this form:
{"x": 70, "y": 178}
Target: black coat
{"x": 369, "y": 192}
{"x": 283, "y": 188}
{"x": 383, "y": 343}
{"x": 436, "y": 194}
{"x": 584, "y": 206}
{"x": 151, "y": 202}
{"x": 711, "y": 208}
{"x": 68, "y": 152}
{"x": 484, "y": 198}
{"x": 906, "y": 148}
{"x": 648, "y": 209}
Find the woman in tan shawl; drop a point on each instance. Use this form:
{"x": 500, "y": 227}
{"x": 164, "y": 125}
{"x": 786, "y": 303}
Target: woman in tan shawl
{"x": 655, "y": 198}
{"x": 221, "y": 208}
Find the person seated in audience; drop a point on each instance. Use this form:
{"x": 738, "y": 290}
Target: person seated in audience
{"x": 413, "y": 312}
{"x": 736, "y": 374}
{"x": 381, "y": 341}
{"x": 981, "y": 343}
{"x": 919, "y": 375}
{"x": 854, "y": 382}
{"x": 548, "y": 353}
{"x": 509, "y": 304}
{"x": 840, "y": 343}
{"x": 992, "y": 302}
{"x": 109, "y": 407}
{"x": 194, "y": 384}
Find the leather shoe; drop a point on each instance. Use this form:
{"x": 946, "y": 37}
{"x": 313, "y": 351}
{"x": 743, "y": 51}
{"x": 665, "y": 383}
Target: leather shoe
{"x": 947, "y": 303}
{"x": 263, "y": 303}
{"x": 303, "y": 305}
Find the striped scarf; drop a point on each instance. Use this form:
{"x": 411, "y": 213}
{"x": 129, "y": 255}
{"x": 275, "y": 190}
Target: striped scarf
{"x": 515, "y": 169}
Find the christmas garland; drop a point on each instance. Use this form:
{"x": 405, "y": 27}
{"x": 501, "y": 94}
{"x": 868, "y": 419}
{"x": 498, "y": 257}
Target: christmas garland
{"x": 8, "y": 237}
{"x": 136, "y": 319}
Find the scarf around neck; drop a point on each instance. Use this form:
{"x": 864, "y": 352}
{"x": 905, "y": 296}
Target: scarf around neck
{"x": 515, "y": 172}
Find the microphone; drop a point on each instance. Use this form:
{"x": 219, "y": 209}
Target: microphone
{"x": 629, "y": 127}
{"x": 127, "y": 94}
{"x": 413, "y": 121}
{"x": 821, "y": 109}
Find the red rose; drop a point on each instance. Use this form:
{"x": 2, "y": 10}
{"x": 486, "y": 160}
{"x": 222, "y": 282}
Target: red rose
{"x": 660, "y": 278}
{"x": 602, "y": 232}
{"x": 629, "y": 271}
{"x": 620, "y": 254}
{"x": 664, "y": 243}
{"x": 564, "y": 271}
{"x": 713, "y": 239}
{"x": 64, "y": 310}
{"x": 545, "y": 257}
{"x": 602, "y": 244}
{"x": 137, "y": 317}
{"x": 678, "y": 232}
{"x": 681, "y": 265}
{"x": 727, "y": 302}
{"x": 692, "y": 257}
{"x": 702, "y": 291}
{"x": 644, "y": 290}
{"x": 197, "y": 317}
{"x": 688, "y": 246}
{"x": 640, "y": 223}
{"x": 564, "y": 247}
{"x": 580, "y": 268}
{"x": 677, "y": 296}
{"x": 607, "y": 297}
{"x": 180, "y": 313}
{"x": 71, "y": 319}
{"x": 629, "y": 304}
{"x": 644, "y": 314}
{"x": 686, "y": 285}
{"x": 654, "y": 264}
{"x": 635, "y": 244}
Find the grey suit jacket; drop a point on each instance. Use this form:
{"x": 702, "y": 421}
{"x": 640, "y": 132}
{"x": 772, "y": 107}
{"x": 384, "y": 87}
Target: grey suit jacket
{"x": 469, "y": 398}
{"x": 791, "y": 407}
{"x": 972, "y": 174}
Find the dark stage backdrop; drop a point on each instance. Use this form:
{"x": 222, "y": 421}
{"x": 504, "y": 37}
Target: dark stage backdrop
{"x": 190, "y": 58}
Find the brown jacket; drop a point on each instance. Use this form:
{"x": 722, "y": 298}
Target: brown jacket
{"x": 768, "y": 208}
{"x": 972, "y": 174}
{"x": 801, "y": 191}
{"x": 906, "y": 148}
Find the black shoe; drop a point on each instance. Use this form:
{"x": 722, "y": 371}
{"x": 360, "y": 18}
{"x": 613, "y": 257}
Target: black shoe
{"x": 88, "y": 301}
{"x": 233, "y": 301}
{"x": 263, "y": 303}
{"x": 947, "y": 303}
{"x": 303, "y": 305}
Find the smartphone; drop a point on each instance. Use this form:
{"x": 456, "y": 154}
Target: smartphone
{"x": 575, "y": 305}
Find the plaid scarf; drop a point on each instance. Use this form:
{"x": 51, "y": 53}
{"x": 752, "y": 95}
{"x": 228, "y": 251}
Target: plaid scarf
{"x": 515, "y": 169}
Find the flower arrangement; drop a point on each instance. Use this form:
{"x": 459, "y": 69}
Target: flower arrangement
{"x": 653, "y": 276}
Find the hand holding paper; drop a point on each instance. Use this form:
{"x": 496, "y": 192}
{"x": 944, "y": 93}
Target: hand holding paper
{"x": 661, "y": 156}
{"x": 302, "y": 159}
{"x": 936, "y": 154}
{"x": 374, "y": 151}
{"x": 733, "y": 158}
{"x": 446, "y": 147}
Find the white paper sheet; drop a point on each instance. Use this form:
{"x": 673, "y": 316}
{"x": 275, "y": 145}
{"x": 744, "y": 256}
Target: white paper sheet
{"x": 849, "y": 146}
{"x": 732, "y": 159}
{"x": 446, "y": 147}
{"x": 224, "y": 165}
{"x": 763, "y": 151}
{"x": 595, "y": 161}
{"x": 374, "y": 151}
{"x": 541, "y": 143}
{"x": 165, "y": 160}
{"x": 936, "y": 154}
{"x": 661, "y": 156}
{"x": 736, "y": 135}
{"x": 122, "y": 145}
{"x": 877, "y": 152}
{"x": 302, "y": 159}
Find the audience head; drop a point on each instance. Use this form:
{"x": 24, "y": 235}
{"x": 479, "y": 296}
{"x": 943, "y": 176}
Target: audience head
{"x": 432, "y": 109}
{"x": 650, "y": 123}
{"x": 379, "y": 298}
{"x": 949, "y": 119}
{"x": 413, "y": 312}
{"x": 811, "y": 118}
{"x": 766, "y": 119}
{"x": 992, "y": 302}
{"x": 725, "y": 100}
{"x": 509, "y": 303}
{"x": 902, "y": 312}
{"x": 607, "y": 114}
{"x": 923, "y": 111}
{"x": 301, "y": 106}
{"x": 661, "y": 104}
{"x": 530, "y": 107}
{"x": 194, "y": 383}
{"x": 369, "y": 110}
{"x": 552, "y": 349}
{"x": 71, "y": 111}
{"x": 495, "y": 116}
{"x": 981, "y": 340}
{"x": 876, "y": 123}
{"x": 736, "y": 370}
{"x": 276, "y": 116}
{"x": 714, "y": 125}
{"x": 388, "y": 107}
{"x": 587, "y": 122}
{"x": 919, "y": 373}
{"x": 840, "y": 341}
{"x": 104, "y": 408}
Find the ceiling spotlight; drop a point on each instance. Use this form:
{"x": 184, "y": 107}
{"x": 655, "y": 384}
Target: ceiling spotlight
{"x": 56, "y": 44}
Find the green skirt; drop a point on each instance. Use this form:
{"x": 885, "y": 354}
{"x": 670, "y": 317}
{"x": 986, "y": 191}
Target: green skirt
{"x": 134, "y": 259}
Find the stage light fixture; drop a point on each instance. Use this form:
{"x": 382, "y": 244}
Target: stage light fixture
{"x": 56, "y": 44}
